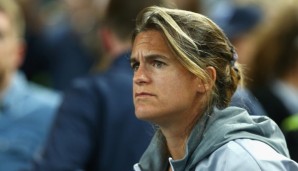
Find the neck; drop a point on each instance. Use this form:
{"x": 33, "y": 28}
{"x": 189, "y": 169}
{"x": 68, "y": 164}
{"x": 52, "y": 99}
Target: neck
{"x": 5, "y": 79}
{"x": 176, "y": 145}
{"x": 176, "y": 135}
{"x": 177, "y": 128}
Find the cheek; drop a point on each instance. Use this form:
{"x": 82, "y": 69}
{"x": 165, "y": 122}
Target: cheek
{"x": 177, "y": 88}
{"x": 9, "y": 55}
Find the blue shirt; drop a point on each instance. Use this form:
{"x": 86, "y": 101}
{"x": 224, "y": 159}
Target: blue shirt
{"x": 26, "y": 113}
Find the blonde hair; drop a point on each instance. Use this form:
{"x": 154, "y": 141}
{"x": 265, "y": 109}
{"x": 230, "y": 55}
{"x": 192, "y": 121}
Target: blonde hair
{"x": 12, "y": 10}
{"x": 198, "y": 43}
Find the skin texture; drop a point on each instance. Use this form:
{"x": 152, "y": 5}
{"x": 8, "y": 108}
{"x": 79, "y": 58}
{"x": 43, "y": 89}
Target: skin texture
{"x": 10, "y": 50}
{"x": 165, "y": 92}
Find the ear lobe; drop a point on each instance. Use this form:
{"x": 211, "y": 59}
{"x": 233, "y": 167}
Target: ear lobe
{"x": 205, "y": 86}
{"x": 200, "y": 86}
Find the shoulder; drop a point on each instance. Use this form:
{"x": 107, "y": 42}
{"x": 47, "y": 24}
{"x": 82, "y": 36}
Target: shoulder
{"x": 108, "y": 84}
{"x": 25, "y": 95}
{"x": 43, "y": 96}
{"x": 87, "y": 86}
{"x": 81, "y": 93}
{"x": 248, "y": 155}
{"x": 109, "y": 79}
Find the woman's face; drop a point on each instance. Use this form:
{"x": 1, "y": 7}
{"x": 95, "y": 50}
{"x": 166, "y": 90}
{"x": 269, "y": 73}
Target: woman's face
{"x": 10, "y": 49}
{"x": 164, "y": 90}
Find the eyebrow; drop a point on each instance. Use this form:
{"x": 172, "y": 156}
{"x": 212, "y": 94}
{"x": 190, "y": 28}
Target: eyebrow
{"x": 148, "y": 57}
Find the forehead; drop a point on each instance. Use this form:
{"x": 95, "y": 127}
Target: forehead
{"x": 4, "y": 20}
{"x": 152, "y": 36}
{"x": 150, "y": 41}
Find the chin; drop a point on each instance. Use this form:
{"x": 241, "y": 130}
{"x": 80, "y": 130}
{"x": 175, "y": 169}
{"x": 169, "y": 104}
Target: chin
{"x": 142, "y": 116}
{"x": 145, "y": 115}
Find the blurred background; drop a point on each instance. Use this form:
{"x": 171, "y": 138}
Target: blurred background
{"x": 63, "y": 40}
{"x": 63, "y": 43}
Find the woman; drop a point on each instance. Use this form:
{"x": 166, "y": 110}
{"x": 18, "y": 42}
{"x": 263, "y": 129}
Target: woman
{"x": 184, "y": 77}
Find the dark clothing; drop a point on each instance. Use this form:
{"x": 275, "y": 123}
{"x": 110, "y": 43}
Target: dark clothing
{"x": 56, "y": 56}
{"x": 245, "y": 99}
{"x": 96, "y": 128}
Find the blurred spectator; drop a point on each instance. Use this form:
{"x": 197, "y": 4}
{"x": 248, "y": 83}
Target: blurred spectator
{"x": 189, "y": 5}
{"x": 96, "y": 128}
{"x": 241, "y": 22}
{"x": 36, "y": 63}
{"x": 27, "y": 110}
{"x": 274, "y": 71}
{"x": 61, "y": 41}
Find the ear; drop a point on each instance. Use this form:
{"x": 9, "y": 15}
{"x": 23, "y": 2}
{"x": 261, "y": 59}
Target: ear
{"x": 106, "y": 38}
{"x": 20, "y": 53}
{"x": 207, "y": 85}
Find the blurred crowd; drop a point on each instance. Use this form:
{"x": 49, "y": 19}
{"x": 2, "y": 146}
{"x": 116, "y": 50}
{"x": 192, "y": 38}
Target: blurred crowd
{"x": 64, "y": 40}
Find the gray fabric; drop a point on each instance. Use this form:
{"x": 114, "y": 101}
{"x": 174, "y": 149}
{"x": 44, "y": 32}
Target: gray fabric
{"x": 245, "y": 154}
{"x": 212, "y": 132}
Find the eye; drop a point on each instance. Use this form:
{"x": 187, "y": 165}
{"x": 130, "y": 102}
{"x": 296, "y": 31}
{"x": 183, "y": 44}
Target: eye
{"x": 134, "y": 66}
{"x": 158, "y": 64}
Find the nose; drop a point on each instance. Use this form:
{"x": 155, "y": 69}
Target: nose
{"x": 141, "y": 76}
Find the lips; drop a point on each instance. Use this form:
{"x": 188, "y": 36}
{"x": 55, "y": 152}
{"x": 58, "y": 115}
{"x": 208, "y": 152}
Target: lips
{"x": 143, "y": 94}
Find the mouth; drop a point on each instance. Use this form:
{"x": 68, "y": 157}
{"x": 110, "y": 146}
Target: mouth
{"x": 143, "y": 94}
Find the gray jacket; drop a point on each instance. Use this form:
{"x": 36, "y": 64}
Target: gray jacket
{"x": 225, "y": 140}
